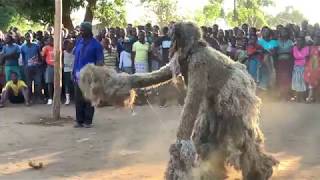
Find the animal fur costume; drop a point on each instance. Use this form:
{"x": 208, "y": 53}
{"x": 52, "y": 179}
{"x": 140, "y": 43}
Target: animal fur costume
{"x": 220, "y": 119}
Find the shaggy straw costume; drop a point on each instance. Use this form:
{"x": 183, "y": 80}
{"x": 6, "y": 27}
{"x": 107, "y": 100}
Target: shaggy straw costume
{"x": 219, "y": 123}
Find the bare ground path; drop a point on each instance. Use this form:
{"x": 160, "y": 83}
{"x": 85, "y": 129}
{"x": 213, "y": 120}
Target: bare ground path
{"x": 126, "y": 147}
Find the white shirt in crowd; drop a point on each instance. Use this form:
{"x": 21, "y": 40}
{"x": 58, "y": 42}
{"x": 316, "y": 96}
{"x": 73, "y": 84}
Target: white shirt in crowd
{"x": 125, "y": 60}
{"x": 68, "y": 61}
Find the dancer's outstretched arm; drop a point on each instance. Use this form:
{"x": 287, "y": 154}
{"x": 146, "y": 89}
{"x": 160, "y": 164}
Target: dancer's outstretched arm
{"x": 148, "y": 79}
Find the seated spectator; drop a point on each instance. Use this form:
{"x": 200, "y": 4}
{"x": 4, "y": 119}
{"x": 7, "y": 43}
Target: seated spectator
{"x": 15, "y": 90}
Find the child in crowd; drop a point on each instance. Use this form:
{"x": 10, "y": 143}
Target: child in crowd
{"x": 312, "y": 70}
{"x": 68, "y": 60}
{"x": 15, "y": 90}
{"x": 48, "y": 54}
{"x": 255, "y": 56}
{"x": 232, "y": 49}
{"x": 125, "y": 64}
{"x": 300, "y": 54}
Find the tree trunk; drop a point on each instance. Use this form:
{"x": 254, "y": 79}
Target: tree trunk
{"x": 58, "y": 60}
{"x": 66, "y": 19}
{"x": 90, "y": 10}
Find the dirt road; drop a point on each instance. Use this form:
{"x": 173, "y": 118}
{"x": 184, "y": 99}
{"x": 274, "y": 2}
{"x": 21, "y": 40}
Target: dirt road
{"x": 126, "y": 147}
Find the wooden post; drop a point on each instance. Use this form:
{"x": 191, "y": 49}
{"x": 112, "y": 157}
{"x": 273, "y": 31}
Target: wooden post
{"x": 58, "y": 60}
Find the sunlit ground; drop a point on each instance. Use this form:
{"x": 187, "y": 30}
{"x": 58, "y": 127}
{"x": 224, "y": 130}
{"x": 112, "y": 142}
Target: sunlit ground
{"x": 126, "y": 147}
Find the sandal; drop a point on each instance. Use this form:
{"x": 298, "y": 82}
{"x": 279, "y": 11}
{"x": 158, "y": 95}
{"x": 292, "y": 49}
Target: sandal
{"x": 309, "y": 100}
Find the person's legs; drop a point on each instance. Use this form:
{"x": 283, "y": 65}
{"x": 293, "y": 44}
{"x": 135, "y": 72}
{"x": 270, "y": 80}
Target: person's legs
{"x": 37, "y": 76}
{"x": 4, "y": 97}
{"x": 50, "y": 93}
{"x": 89, "y": 112}
{"x": 25, "y": 94}
{"x": 67, "y": 83}
{"x": 16, "y": 99}
{"x": 80, "y": 106}
{"x": 7, "y": 70}
{"x": 49, "y": 82}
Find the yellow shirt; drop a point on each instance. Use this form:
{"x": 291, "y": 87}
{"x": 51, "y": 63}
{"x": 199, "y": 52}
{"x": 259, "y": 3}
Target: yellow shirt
{"x": 141, "y": 51}
{"x": 15, "y": 87}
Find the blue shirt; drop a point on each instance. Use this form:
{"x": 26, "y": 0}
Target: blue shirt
{"x": 268, "y": 45}
{"x": 86, "y": 52}
{"x": 14, "y": 48}
{"x": 30, "y": 54}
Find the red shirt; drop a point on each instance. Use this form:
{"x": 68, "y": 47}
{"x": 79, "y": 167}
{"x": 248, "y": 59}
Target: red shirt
{"x": 48, "y": 54}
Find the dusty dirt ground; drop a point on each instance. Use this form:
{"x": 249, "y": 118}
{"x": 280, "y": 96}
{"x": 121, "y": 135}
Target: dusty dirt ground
{"x": 125, "y": 147}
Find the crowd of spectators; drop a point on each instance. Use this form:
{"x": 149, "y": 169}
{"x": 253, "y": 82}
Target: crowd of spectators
{"x": 284, "y": 61}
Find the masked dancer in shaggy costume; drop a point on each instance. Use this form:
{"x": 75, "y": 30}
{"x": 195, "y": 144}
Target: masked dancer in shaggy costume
{"x": 220, "y": 120}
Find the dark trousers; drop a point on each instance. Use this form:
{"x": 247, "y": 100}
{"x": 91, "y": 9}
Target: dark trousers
{"x": 84, "y": 110}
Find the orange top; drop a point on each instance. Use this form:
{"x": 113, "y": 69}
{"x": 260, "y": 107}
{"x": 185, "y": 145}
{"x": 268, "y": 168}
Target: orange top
{"x": 48, "y": 54}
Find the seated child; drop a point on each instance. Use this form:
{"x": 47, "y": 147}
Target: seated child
{"x": 15, "y": 90}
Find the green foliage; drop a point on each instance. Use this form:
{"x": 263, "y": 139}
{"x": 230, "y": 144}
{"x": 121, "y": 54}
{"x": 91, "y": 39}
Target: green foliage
{"x": 41, "y": 11}
{"x": 9, "y": 17}
{"x": 289, "y": 15}
{"x": 7, "y": 14}
{"x": 165, "y": 10}
{"x": 250, "y": 12}
{"x": 111, "y": 13}
{"x": 209, "y": 12}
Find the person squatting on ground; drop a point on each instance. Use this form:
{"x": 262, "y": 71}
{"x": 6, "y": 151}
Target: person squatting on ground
{"x": 220, "y": 118}
{"x": 87, "y": 51}
{"x": 15, "y": 90}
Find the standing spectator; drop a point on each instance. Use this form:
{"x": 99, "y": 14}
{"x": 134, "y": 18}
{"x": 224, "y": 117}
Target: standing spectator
{"x": 125, "y": 64}
{"x": 48, "y": 55}
{"x": 222, "y": 41}
{"x": 215, "y": 30}
{"x": 232, "y": 49}
{"x": 11, "y": 53}
{"x": 312, "y": 69}
{"x": 245, "y": 28}
{"x": 31, "y": 59}
{"x": 68, "y": 61}
{"x": 300, "y": 54}
{"x": 267, "y": 69}
{"x": 109, "y": 53}
{"x": 87, "y": 51}
{"x": 252, "y": 31}
{"x": 164, "y": 43}
{"x": 141, "y": 53}
{"x": 284, "y": 63}
{"x": 255, "y": 57}
{"x": 15, "y": 90}
{"x": 133, "y": 35}
{"x": 155, "y": 52}
{"x": 120, "y": 42}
